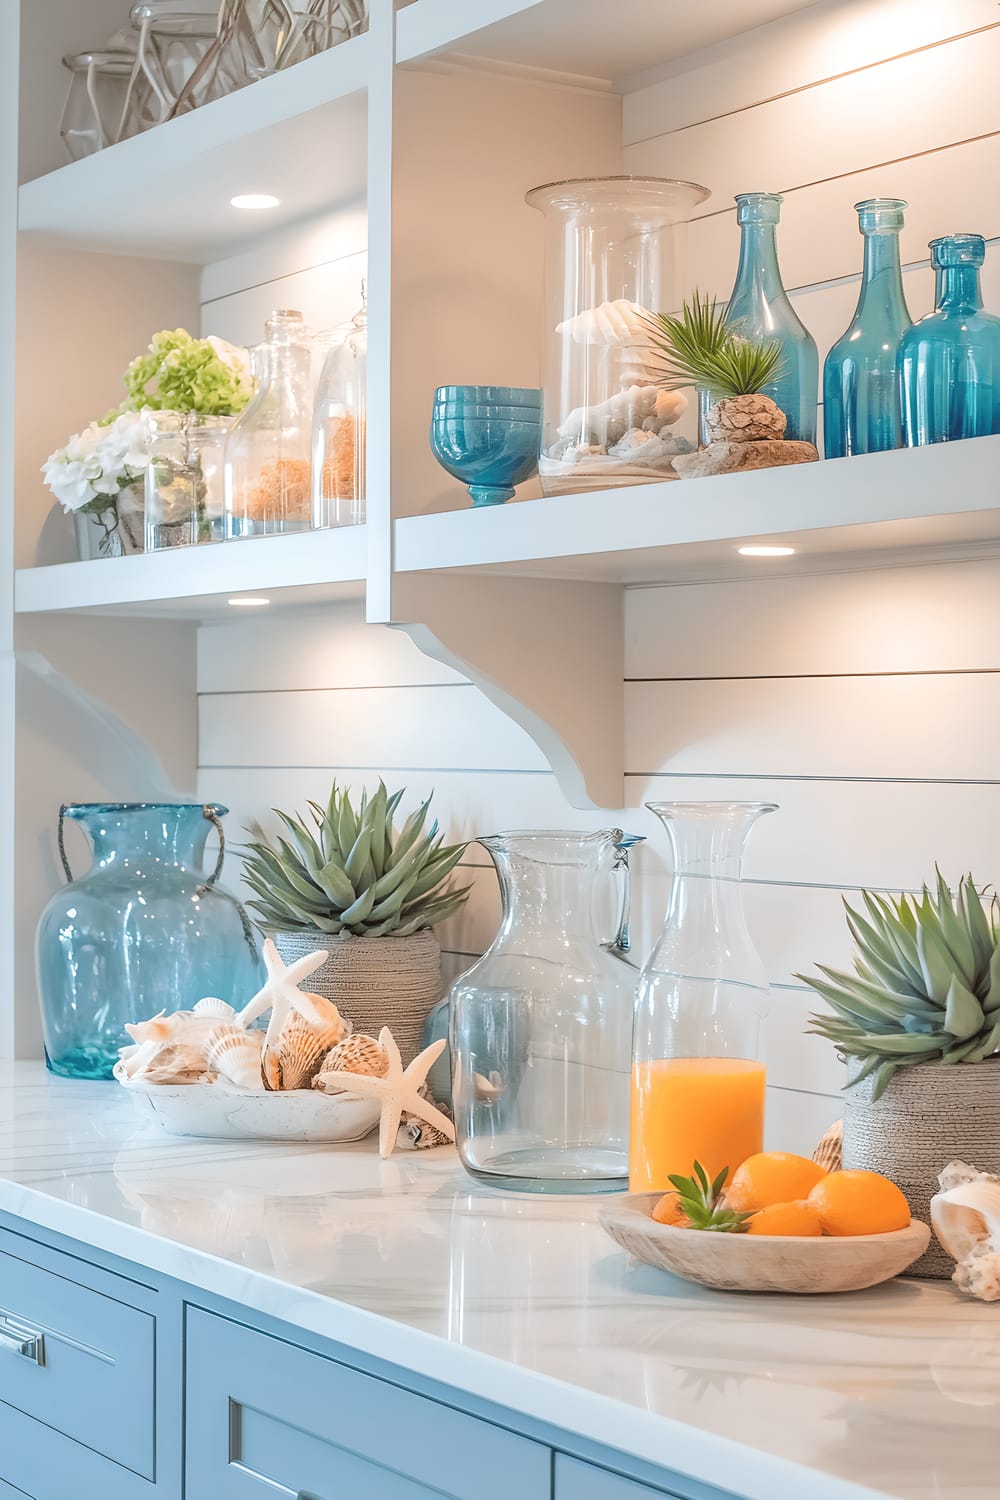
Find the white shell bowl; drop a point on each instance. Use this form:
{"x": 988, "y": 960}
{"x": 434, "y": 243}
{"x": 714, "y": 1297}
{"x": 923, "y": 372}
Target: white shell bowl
{"x": 762, "y": 1263}
{"x": 254, "y": 1115}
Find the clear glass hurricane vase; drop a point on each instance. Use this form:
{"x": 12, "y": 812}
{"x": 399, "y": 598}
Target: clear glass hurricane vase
{"x": 861, "y": 405}
{"x": 143, "y": 930}
{"x": 541, "y": 1026}
{"x": 760, "y": 307}
{"x": 698, "y": 1079}
{"x": 267, "y": 478}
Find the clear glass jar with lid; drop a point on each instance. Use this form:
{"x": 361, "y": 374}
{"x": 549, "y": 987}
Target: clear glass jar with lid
{"x": 267, "y": 475}
{"x": 173, "y": 37}
{"x": 340, "y": 426}
{"x": 613, "y": 255}
{"x": 94, "y": 103}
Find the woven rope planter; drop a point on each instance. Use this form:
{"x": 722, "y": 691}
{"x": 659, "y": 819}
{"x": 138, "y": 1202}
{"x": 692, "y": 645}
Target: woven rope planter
{"x": 929, "y": 1115}
{"x": 374, "y": 982}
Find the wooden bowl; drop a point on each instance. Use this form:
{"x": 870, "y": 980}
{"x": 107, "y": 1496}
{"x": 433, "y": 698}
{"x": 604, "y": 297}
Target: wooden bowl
{"x": 762, "y": 1263}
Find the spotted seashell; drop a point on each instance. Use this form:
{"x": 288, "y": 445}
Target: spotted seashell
{"x": 235, "y": 1055}
{"x": 828, "y": 1152}
{"x": 354, "y": 1054}
{"x": 418, "y": 1135}
{"x": 301, "y": 1048}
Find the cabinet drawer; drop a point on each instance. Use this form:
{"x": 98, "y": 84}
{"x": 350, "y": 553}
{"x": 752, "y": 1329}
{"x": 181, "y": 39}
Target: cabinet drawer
{"x": 77, "y": 1360}
{"x": 265, "y": 1418}
{"x": 8, "y": 1492}
{"x": 580, "y": 1481}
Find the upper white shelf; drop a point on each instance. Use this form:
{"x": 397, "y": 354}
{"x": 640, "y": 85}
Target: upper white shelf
{"x": 197, "y": 583}
{"x": 831, "y": 512}
{"x": 583, "y": 38}
{"x": 301, "y": 135}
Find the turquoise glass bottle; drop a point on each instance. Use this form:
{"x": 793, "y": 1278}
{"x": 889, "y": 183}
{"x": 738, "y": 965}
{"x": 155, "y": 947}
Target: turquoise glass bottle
{"x": 949, "y": 361}
{"x": 759, "y": 307}
{"x": 861, "y": 402}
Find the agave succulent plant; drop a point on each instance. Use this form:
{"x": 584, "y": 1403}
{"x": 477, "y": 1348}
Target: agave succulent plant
{"x": 926, "y": 986}
{"x": 700, "y": 347}
{"x": 351, "y": 873}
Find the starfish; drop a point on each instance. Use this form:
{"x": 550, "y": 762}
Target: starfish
{"x": 281, "y": 991}
{"x": 397, "y": 1091}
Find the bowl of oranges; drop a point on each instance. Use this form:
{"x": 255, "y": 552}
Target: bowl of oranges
{"x": 778, "y": 1223}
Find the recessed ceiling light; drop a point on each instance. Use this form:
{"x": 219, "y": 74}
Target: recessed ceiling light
{"x": 248, "y": 602}
{"x": 766, "y": 551}
{"x": 255, "y": 200}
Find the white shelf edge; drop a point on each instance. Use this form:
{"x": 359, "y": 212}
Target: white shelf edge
{"x": 311, "y": 563}
{"x": 430, "y": 26}
{"x": 816, "y": 504}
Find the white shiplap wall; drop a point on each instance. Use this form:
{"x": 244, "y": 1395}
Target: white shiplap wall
{"x": 867, "y": 705}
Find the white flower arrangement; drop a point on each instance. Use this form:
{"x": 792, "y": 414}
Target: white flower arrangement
{"x": 97, "y": 463}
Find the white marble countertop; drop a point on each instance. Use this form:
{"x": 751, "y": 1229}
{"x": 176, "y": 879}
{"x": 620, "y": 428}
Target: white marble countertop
{"x": 524, "y": 1301}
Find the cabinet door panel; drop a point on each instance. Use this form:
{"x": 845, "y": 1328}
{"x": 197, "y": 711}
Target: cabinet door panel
{"x": 580, "y": 1481}
{"x": 266, "y": 1418}
{"x": 77, "y": 1360}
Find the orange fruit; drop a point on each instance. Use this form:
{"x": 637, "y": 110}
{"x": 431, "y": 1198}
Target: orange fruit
{"x": 772, "y": 1177}
{"x": 786, "y": 1218}
{"x": 668, "y": 1211}
{"x": 859, "y": 1203}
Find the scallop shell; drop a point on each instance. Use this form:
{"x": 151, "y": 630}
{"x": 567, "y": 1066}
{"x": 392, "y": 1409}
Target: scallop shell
{"x": 213, "y": 1006}
{"x": 828, "y": 1152}
{"x": 235, "y": 1055}
{"x": 301, "y": 1049}
{"x": 617, "y": 322}
{"x": 354, "y": 1054}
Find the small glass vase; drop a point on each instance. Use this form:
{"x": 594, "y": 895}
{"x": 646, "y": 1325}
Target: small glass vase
{"x": 268, "y": 467}
{"x": 697, "y": 1078}
{"x": 143, "y": 930}
{"x": 93, "y": 109}
{"x": 861, "y": 404}
{"x": 339, "y": 428}
{"x": 541, "y": 1026}
{"x": 115, "y": 528}
{"x": 613, "y": 255}
{"x": 184, "y": 479}
{"x": 759, "y": 307}
{"x": 949, "y": 361}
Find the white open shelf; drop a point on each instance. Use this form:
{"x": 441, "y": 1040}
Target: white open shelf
{"x": 832, "y": 512}
{"x": 301, "y": 134}
{"x": 583, "y": 38}
{"x": 197, "y": 583}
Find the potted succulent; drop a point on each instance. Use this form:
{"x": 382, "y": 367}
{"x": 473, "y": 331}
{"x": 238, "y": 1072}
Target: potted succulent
{"x": 918, "y": 1024}
{"x": 371, "y": 897}
{"x": 100, "y": 475}
{"x": 744, "y": 427}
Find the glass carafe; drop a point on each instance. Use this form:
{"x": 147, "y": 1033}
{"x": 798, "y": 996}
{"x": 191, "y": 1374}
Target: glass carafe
{"x": 267, "y": 471}
{"x": 759, "y": 307}
{"x": 949, "y": 361}
{"x": 861, "y": 406}
{"x": 541, "y": 1026}
{"x": 339, "y": 426}
{"x": 613, "y": 255}
{"x": 143, "y": 930}
{"x": 697, "y": 1074}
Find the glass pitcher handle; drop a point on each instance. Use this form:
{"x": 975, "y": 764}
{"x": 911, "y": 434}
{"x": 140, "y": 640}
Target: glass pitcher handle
{"x": 620, "y": 869}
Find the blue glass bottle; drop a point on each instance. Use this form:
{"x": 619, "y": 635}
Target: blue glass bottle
{"x": 143, "y": 930}
{"x": 759, "y": 307}
{"x": 949, "y": 361}
{"x": 861, "y": 404}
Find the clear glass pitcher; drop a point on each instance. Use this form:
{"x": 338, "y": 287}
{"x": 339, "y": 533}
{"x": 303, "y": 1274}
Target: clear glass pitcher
{"x": 541, "y": 1026}
{"x": 697, "y": 1077}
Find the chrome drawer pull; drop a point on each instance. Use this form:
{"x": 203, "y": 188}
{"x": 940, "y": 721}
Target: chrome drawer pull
{"x": 18, "y": 1338}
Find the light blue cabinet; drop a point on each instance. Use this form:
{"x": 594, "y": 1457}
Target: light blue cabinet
{"x": 116, "y": 1385}
{"x": 264, "y": 1416}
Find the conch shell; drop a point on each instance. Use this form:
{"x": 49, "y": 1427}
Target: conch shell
{"x": 620, "y": 322}
{"x": 966, "y": 1220}
{"x": 235, "y": 1055}
{"x": 191, "y": 1027}
{"x": 355, "y": 1054}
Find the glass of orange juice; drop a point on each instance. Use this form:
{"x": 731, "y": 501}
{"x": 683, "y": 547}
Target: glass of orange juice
{"x": 697, "y": 1075}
